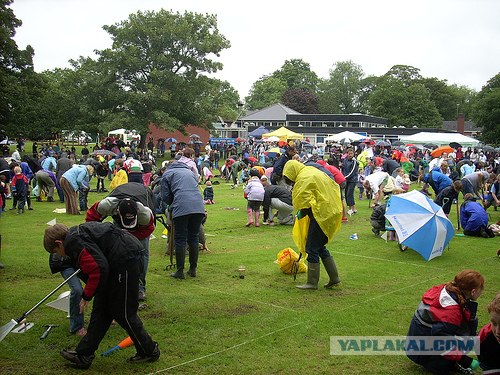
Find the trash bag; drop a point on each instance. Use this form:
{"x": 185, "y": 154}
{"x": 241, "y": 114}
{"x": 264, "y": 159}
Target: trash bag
{"x": 286, "y": 258}
{"x": 299, "y": 233}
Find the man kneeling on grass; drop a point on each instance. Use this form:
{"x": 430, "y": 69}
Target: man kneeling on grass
{"x": 110, "y": 260}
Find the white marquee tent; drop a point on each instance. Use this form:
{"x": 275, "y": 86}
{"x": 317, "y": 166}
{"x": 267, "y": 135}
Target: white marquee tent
{"x": 440, "y": 139}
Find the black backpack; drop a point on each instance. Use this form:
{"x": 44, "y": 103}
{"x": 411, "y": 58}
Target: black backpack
{"x": 137, "y": 192}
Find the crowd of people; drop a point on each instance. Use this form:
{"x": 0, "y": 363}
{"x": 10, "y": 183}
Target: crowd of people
{"x": 309, "y": 187}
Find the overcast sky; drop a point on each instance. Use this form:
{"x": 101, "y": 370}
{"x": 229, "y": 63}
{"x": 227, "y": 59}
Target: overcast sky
{"x": 456, "y": 40}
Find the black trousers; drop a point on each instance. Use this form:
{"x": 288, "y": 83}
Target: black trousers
{"x": 349, "y": 193}
{"x": 187, "y": 230}
{"x": 118, "y": 301}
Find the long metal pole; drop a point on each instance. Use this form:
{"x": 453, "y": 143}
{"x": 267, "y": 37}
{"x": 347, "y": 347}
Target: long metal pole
{"x": 47, "y": 296}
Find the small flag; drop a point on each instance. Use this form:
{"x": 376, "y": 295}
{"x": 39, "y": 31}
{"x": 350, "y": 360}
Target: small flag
{"x": 61, "y": 303}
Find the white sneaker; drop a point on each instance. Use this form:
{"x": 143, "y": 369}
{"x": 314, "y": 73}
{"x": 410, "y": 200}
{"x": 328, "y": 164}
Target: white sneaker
{"x": 350, "y": 212}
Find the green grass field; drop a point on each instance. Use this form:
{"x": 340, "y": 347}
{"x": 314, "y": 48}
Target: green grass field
{"x": 218, "y": 323}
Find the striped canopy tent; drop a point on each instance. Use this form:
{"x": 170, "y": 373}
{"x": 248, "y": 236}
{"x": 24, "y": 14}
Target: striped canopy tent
{"x": 283, "y": 134}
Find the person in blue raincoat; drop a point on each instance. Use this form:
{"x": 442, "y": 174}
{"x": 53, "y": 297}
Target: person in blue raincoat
{"x": 474, "y": 218}
{"x": 317, "y": 199}
{"x": 437, "y": 180}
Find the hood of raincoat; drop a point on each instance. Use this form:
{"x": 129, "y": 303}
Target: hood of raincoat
{"x": 314, "y": 189}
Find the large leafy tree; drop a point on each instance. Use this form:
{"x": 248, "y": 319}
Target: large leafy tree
{"x": 486, "y": 112}
{"x": 444, "y": 97}
{"x": 402, "y": 98}
{"x": 18, "y": 81}
{"x": 297, "y": 74}
{"x": 465, "y": 99}
{"x": 160, "y": 62}
{"x": 405, "y": 74}
{"x": 269, "y": 89}
{"x": 265, "y": 92}
{"x": 95, "y": 95}
{"x": 342, "y": 91}
{"x": 404, "y": 105}
{"x": 82, "y": 98}
{"x": 368, "y": 85}
{"x": 225, "y": 101}
{"x": 301, "y": 100}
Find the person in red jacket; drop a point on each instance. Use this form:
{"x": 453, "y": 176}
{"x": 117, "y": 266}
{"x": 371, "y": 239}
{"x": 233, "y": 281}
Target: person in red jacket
{"x": 489, "y": 336}
{"x": 21, "y": 183}
{"x": 448, "y": 310}
{"x": 110, "y": 262}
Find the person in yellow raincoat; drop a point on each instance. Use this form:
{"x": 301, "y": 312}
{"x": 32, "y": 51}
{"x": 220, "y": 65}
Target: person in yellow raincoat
{"x": 120, "y": 177}
{"x": 317, "y": 199}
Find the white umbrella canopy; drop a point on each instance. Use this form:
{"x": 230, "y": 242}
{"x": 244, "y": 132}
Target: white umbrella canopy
{"x": 420, "y": 223}
{"x": 272, "y": 139}
{"x": 345, "y": 135}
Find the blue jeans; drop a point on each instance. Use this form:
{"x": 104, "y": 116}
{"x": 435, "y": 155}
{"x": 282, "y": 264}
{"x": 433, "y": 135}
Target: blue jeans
{"x": 145, "y": 261}
{"x": 467, "y": 187}
{"x": 75, "y": 318}
{"x": 316, "y": 241}
{"x": 82, "y": 197}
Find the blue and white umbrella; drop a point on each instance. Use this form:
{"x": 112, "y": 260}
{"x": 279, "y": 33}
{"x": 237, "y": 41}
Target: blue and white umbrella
{"x": 420, "y": 223}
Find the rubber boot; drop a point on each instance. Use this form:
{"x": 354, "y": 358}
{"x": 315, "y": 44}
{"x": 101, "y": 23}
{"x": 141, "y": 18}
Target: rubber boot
{"x": 331, "y": 269}
{"x": 250, "y": 217}
{"x": 257, "y": 218}
{"x": 180, "y": 257}
{"x": 312, "y": 277}
{"x": 193, "y": 260}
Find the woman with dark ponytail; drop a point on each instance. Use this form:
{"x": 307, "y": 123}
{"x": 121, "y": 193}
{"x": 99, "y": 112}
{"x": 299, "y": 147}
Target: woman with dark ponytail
{"x": 447, "y": 310}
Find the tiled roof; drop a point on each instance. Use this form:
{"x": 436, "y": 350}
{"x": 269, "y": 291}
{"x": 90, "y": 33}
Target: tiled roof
{"x": 276, "y": 112}
{"x": 469, "y": 126}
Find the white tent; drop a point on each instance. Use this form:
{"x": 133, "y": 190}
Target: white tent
{"x": 121, "y": 131}
{"x": 440, "y": 139}
{"x": 347, "y": 134}
{"x": 125, "y": 135}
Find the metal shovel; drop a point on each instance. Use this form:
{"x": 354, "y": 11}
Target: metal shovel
{"x": 7, "y": 328}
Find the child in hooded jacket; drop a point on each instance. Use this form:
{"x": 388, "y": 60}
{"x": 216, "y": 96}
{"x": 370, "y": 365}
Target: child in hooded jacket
{"x": 254, "y": 193}
{"x": 489, "y": 337}
{"x": 21, "y": 183}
